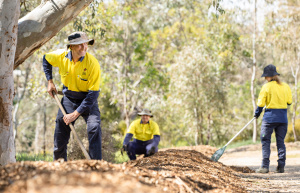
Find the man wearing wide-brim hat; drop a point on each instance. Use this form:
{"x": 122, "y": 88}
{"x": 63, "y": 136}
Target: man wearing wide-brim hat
{"x": 80, "y": 76}
{"x": 146, "y": 136}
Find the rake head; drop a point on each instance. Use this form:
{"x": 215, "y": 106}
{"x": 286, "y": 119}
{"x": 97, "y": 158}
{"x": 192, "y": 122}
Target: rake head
{"x": 216, "y": 156}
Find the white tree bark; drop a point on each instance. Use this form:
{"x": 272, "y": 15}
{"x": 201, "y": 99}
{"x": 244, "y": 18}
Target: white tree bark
{"x": 9, "y": 15}
{"x": 253, "y": 75}
{"x": 43, "y": 23}
{"x": 295, "y": 75}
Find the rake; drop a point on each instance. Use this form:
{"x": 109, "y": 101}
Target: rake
{"x": 216, "y": 156}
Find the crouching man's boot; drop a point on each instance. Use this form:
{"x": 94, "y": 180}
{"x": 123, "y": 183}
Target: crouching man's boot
{"x": 151, "y": 151}
{"x": 262, "y": 170}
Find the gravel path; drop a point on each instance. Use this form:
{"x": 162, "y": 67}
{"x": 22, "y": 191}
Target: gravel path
{"x": 272, "y": 182}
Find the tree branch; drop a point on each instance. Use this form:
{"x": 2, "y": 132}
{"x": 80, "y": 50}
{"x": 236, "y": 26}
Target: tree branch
{"x": 43, "y": 23}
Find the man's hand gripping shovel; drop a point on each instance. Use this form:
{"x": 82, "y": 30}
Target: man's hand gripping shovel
{"x": 87, "y": 156}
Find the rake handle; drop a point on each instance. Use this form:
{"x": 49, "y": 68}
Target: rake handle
{"x": 240, "y": 131}
{"x": 87, "y": 156}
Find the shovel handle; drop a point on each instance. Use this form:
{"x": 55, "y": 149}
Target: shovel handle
{"x": 87, "y": 156}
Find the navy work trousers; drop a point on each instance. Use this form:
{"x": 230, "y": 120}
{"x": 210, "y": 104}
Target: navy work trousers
{"x": 265, "y": 136}
{"x": 139, "y": 147}
{"x": 62, "y": 131}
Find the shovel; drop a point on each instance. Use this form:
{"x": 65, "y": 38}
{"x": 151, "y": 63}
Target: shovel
{"x": 220, "y": 152}
{"x": 87, "y": 156}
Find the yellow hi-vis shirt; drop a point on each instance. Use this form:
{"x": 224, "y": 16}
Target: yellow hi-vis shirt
{"x": 82, "y": 76}
{"x": 275, "y": 96}
{"x": 143, "y": 132}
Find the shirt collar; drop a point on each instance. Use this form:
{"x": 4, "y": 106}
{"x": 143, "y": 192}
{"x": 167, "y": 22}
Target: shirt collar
{"x": 69, "y": 56}
{"x": 142, "y": 122}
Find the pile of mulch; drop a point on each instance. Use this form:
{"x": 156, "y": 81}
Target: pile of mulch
{"x": 81, "y": 176}
{"x": 194, "y": 170}
{"x": 207, "y": 150}
{"x": 172, "y": 170}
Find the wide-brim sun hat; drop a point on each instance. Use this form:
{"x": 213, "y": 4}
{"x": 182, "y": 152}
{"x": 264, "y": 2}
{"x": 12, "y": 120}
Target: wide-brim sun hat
{"x": 270, "y": 71}
{"x": 145, "y": 112}
{"x": 79, "y": 37}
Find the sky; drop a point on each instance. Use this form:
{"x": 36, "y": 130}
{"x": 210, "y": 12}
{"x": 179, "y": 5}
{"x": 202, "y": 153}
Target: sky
{"x": 246, "y": 9}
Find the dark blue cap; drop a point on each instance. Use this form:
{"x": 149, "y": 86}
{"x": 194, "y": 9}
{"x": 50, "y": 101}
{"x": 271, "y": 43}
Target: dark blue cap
{"x": 270, "y": 71}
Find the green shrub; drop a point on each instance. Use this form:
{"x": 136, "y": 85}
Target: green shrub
{"x": 290, "y": 135}
{"x": 34, "y": 157}
{"x": 119, "y": 158}
{"x": 244, "y": 142}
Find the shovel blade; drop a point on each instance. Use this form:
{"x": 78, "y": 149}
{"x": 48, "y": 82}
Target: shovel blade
{"x": 216, "y": 156}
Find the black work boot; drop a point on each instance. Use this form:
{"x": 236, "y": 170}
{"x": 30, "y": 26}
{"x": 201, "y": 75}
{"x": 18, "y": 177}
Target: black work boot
{"x": 151, "y": 151}
{"x": 279, "y": 169}
{"x": 262, "y": 170}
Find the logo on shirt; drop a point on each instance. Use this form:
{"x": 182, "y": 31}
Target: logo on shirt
{"x": 84, "y": 71}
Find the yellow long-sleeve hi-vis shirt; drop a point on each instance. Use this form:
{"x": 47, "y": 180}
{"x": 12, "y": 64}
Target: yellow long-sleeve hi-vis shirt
{"x": 83, "y": 76}
{"x": 81, "y": 80}
{"x": 143, "y": 132}
{"x": 275, "y": 97}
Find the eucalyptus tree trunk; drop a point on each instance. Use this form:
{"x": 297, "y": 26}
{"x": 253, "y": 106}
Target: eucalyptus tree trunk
{"x": 295, "y": 75}
{"x": 43, "y": 23}
{"x": 45, "y": 129}
{"x": 253, "y": 75}
{"x": 38, "y": 132}
{"x": 198, "y": 128}
{"x": 18, "y": 98}
{"x": 199, "y": 138}
{"x": 126, "y": 112}
{"x": 9, "y": 15}
{"x": 208, "y": 128}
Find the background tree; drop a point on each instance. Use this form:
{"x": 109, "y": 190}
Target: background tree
{"x": 10, "y": 12}
{"x": 254, "y": 73}
{"x": 43, "y": 23}
{"x": 288, "y": 42}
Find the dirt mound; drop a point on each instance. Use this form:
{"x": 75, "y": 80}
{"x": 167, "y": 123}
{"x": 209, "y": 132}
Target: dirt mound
{"x": 194, "y": 169}
{"x": 171, "y": 170}
{"x": 205, "y": 149}
{"x": 73, "y": 176}
{"x": 244, "y": 169}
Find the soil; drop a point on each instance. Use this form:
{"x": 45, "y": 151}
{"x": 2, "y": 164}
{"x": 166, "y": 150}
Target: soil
{"x": 185, "y": 169}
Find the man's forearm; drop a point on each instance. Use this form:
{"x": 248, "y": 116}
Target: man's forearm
{"x": 127, "y": 138}
{"x": 47, "y": 68}
{"x": 69, "y": 118}
{"x": 51, "y": 88}
{"x": 156, "y": 139}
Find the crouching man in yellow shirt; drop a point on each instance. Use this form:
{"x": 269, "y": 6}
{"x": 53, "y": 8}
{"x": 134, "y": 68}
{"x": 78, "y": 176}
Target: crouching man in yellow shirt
{"x": 146, "y": 136}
